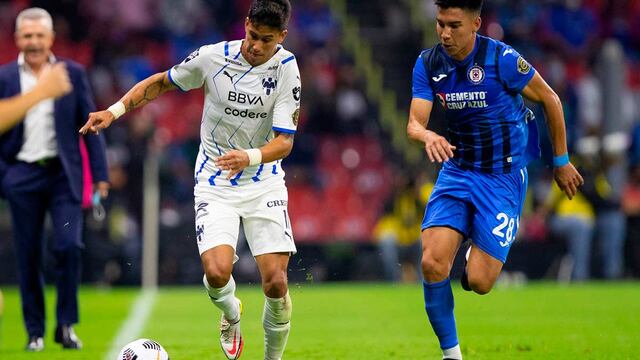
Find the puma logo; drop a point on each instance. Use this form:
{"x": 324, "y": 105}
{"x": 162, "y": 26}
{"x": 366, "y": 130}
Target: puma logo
{"x": 508, "y": 51}
{"x": 229, "y": 75}
{"x": 439, "y": 77}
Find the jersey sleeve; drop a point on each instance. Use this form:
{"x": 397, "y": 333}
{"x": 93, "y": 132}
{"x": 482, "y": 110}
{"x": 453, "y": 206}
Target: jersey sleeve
{"x": 286, "y": 109}
{"x": 421, "y": 87}
{"x": 191, "y": 73}
{"x": 515, "y": 72}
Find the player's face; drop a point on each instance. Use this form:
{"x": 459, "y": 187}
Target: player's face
{"x": 260, "y": 42}
{"x": 457, "y": 29}
{"x": 34, "y": 39}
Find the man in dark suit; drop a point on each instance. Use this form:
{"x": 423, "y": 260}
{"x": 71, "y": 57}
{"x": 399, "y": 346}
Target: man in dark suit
{"x": 41, "y": 171}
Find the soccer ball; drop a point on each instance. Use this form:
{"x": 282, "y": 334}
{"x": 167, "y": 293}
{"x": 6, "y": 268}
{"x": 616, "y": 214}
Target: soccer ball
{"x": 143, "y": 349}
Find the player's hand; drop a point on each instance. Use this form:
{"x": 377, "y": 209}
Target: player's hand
{"x": 568, "y": 179}
{"x": 97, "y": 121}
{"x": 437, "y": 147}
{"x": 54, "y": 81}
{"x": 235, "y": 161}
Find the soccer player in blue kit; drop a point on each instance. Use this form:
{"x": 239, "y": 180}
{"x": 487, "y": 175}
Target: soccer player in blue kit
{"x": 491, "y": 138}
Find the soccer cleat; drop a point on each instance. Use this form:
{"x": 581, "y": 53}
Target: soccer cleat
{"x": 35, "y": 343}
{"x": 67, "y": 337}
{"x": 230, "y": 336}
{"x": 464, "y": 280}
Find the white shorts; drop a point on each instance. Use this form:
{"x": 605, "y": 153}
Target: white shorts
{"x": 264, "y": 215}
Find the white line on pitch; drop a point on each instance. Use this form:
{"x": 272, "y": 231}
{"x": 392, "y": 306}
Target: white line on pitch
{"x": 134, "y": 323}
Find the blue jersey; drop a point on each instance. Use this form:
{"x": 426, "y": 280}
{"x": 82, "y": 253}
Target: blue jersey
{"x": 489, "y": 125}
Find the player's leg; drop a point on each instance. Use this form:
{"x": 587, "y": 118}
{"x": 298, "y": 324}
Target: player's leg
{"x": 221, "y": 288}
{"x": 498, "y": 201}
{"x": 276, "y": 316}
{"x": 268, "y": 228}
{"x": 217, "y": 264}
{"x": 482, "y": 270}
{"x": 445, "y": 222}
{"x": 439, "y": 247}
{"x": 217, "y": 228}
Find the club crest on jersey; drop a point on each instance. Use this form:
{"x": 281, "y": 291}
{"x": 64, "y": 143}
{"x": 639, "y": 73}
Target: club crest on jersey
{"x": 476, "y": 74}
{"x": 295, "y": 116}
{"x": 523, "y": 66}
{"x": 269, "y": 85}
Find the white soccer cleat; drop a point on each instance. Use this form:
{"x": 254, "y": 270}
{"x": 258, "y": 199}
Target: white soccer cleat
{"x": 230, "y": 336}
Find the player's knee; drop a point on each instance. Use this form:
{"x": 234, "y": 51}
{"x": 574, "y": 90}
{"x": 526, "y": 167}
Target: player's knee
{"x": 434, "y": 269}
{"x": 480, "y": 285}
{"x": 217, "y": 275}
{"x": 275, "y": 285}
{"x": 480, "y": 289}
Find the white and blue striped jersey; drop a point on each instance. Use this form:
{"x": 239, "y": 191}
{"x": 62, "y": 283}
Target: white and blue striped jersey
{"x": 243, "y": 106}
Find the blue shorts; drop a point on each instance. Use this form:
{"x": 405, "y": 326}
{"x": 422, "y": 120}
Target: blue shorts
{"x": 483, "y": 207}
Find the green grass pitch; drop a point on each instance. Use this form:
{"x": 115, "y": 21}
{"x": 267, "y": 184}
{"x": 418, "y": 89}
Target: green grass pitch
{"x": 365, "y": 321}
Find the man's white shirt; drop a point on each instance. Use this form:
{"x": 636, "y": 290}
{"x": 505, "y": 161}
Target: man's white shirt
{"x": 243, "y": 107}
{"x": 39, "y": 139}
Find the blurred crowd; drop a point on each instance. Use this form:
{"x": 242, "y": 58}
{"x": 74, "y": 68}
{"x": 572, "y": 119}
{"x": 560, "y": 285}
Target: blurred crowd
{"x": 346, "y": 182}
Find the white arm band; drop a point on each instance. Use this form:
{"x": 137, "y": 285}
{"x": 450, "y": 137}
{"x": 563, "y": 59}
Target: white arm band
{"x": 255, "y": 156}
{"x": 117, "y": 109}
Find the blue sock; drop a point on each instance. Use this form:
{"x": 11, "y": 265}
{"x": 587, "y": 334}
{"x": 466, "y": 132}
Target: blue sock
{"x": 438, "y": 300}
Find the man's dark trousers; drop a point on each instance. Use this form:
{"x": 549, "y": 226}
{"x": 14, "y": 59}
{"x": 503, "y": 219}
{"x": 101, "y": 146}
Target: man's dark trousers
{"x": 33, "y": 190}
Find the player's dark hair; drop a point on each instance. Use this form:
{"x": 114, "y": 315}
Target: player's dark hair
{"x": 271, "y": 13}
{"x": 472, "y": 5}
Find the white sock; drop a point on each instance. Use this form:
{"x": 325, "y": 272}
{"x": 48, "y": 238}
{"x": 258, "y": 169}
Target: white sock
{"x": 276, "y": 321}
{"x": 225, "y": 299}
{"x": 452, "y": 353}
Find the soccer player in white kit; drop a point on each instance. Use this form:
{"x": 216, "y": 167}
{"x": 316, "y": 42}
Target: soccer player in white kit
{"x": 252, "y": 102}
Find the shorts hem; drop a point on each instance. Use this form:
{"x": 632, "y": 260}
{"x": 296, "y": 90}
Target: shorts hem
{"x": 271, "y": 251}
{"x": 202, "y": 251}
{"x": 483, "y": 248}
{"x": 445, "y": 226}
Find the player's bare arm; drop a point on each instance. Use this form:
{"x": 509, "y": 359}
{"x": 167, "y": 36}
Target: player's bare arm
{"x": 437, "y": 147}
{"x": 566, "y": 176}
{"x": 236, "y": 160}
{"x": 140, "y": 94}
